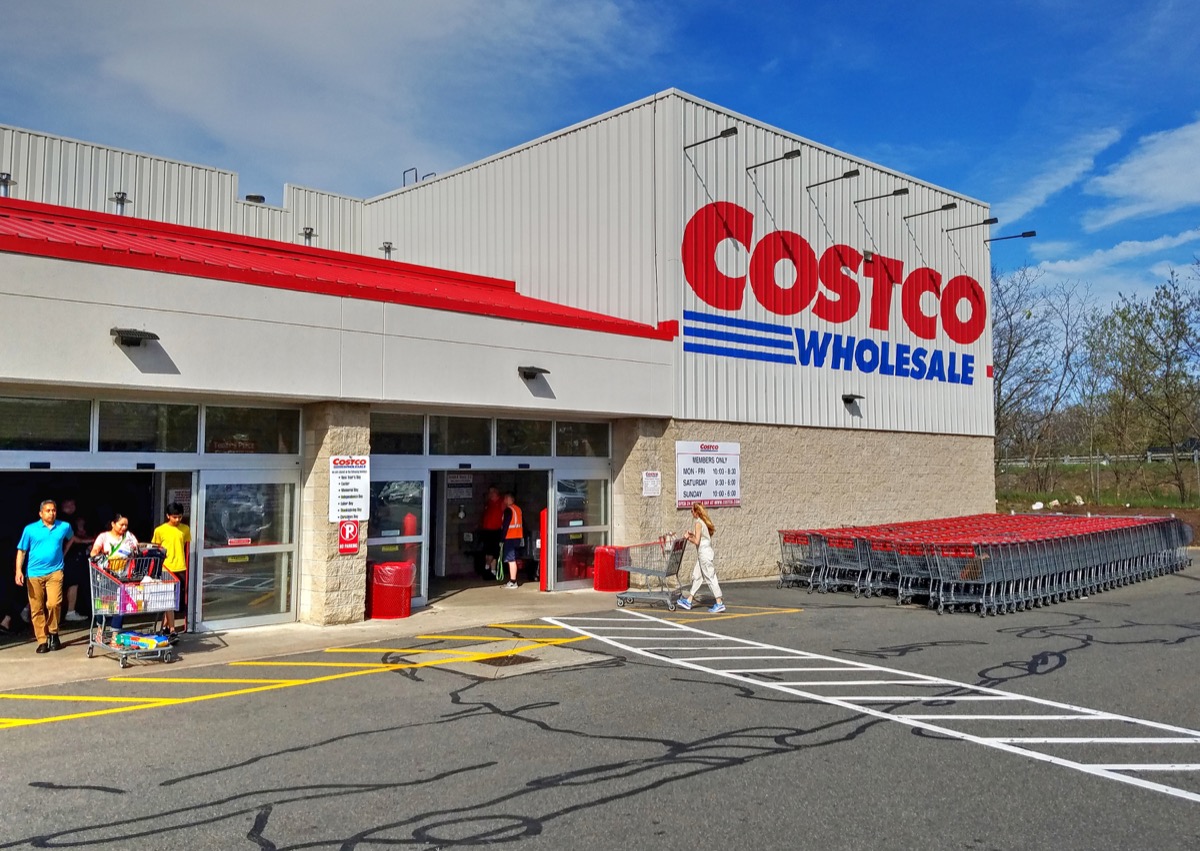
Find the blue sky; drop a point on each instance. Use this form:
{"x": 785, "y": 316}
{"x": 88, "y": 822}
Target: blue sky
{"x": 1078, "y": 119}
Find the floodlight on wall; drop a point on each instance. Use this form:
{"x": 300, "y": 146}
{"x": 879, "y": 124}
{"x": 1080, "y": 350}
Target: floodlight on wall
{"x": 727, "y": 133}
{"x": 990, "y": 221}
{"x": 845, "y": 175}
{"x": 851, "y": 398}
{"x": 952, "y": 205}
{"x": 386, "y": 248}
{"x": 256, "y": 199}
{"x": 132, "y": 337}
{"x": 531, "y": 372}
{"x": 120, "y": 199}
{"x": 6, "y": 180}
{"x": 789, "y": 155}
{"x": 308, "y": 234}
{"x": 895, "y": 193}
{"x": 1026, "y": 235}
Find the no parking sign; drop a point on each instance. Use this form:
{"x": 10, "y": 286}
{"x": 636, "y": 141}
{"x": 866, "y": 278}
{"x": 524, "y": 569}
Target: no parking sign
{"x": 347, "y": 537}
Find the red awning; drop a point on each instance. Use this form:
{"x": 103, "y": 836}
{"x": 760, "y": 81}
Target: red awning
{"x": 65, "y": 233}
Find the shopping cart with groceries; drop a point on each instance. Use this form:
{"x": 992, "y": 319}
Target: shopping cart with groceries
{"x": 130, "y": 586}
{"x": 658, "y": 564}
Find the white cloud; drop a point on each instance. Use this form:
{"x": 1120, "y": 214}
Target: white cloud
{"x": 341, "y": 96}
{"x": 1123, "y": 252}
{"x": 1160, "y": 176}
{"x": 1072, "y": 165}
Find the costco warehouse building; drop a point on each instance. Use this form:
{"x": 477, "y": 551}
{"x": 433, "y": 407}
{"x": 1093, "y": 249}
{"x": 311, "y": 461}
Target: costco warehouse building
{"x": 666, "y": 303}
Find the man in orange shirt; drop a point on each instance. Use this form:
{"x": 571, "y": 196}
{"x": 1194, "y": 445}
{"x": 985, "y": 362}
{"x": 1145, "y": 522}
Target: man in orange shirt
{"x": 513, "y": 533}
{"x": 490, "y": 536}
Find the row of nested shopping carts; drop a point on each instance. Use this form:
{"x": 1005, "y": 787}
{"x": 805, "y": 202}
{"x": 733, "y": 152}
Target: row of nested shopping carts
{"x": 986, "y": 563}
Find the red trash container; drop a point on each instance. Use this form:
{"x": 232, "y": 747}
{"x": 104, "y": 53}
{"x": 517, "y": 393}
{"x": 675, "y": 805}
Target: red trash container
{"x": 389, "y": 589}
{"x": 606, "y": 576}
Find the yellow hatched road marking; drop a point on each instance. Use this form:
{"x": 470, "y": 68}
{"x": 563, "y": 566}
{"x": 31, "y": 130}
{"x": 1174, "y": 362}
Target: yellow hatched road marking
{"x": 152, "y": 703}
{"x": 86, "y": 698}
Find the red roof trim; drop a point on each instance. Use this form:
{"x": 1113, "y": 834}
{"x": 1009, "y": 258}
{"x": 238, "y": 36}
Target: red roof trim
{"x": 65, "y": 233}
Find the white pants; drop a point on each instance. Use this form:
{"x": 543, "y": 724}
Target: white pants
{"x": 704, "y": 572}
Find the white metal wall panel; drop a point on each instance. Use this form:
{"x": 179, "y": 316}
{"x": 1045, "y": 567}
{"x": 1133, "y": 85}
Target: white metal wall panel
{"x": 335, "y": 219}
{"x": 570, "y": 218}
{"x": 736, "y": 382}
{"x": 54, "y": 170}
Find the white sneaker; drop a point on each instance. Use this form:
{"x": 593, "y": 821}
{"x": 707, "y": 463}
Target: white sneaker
{"x": 511, "y": 585}
{"x": 74, "y": 616}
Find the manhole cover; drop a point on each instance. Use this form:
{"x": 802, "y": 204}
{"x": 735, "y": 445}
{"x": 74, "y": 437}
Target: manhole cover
{"x": 505, "y": 661}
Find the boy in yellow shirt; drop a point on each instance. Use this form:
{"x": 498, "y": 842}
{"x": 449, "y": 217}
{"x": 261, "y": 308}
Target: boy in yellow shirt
{"x": 174, "y": 537}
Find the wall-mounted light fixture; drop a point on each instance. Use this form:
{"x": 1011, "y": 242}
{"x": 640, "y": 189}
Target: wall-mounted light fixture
{"x": 727, "y": 133}
{"x": 132, "y": 337}
{"x": 845, "y": 175}
{"x": 256, "y": 199}
{"x": 868, "y": 256}
{"x": 309, "y": 234}
{"x": 990, "y": 221}
{"x": 386, "y": 248}
{"x": 120, "y": 198}
{"x": 895, "y": 193}
{"x": 790, "y": 155}
{"x": 531, "y": 372}
{"x": 851, "y": 398}
{"x": 6, "y": 180}
{"x": 952, "y": 205}
{"x": 1026, "y": 235}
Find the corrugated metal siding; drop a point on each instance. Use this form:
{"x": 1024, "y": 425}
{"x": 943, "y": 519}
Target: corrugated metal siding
{"x": 739, "y": 170}
{"x": 336, "y": 219}
{"x": 54, "y": 170}
{"x": 570, "y": 218}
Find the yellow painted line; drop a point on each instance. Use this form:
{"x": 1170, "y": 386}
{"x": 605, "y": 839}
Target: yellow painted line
{"x": 194, "y": 680}
{"x": 700, "y": 614}
{"x": 380, "y": 665}
{"x": 84, "y": 698}
{"x": 405, "y": 650}
{"x": 152, "y": 703}
{"x": 470, "y": 638}
{"x": 523, "y": 626}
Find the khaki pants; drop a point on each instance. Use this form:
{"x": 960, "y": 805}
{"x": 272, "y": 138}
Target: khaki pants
{"x": 45, "y": 603}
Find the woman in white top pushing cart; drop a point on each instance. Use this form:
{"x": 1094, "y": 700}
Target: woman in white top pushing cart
{"x": 701, "y": 535}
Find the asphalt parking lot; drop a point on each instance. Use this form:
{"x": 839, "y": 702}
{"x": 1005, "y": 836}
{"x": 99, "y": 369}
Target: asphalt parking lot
{"x": 843, "y": 723}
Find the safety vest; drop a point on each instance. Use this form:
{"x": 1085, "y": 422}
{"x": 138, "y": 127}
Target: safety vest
{"x": 515, "y": 529}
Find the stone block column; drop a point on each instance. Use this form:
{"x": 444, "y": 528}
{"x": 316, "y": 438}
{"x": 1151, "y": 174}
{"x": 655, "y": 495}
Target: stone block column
{"x": 332, "y": 587}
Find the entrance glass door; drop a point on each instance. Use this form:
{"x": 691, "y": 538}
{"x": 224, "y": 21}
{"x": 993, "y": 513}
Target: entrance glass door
{"x": 247, "y": 540}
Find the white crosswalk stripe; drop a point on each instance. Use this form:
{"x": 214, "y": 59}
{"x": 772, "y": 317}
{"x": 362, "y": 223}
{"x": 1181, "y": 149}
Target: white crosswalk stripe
{"x": 862, "y": 677}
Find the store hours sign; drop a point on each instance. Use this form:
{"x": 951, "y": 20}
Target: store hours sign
{"x": 710, "y": 473}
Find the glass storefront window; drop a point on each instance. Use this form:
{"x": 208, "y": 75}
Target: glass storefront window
{"x": 523, "y": 437}
{"x": 45, "y": 425}
{"x": 248, "y": 515}
{"x": 397, "y": 509}
{"x": 148, "y": 427}
{"x": 577, "y": 554}
{"x": 254, "y": 431}
{"x": 460, "y": 436}
{"x": 397, "y": 434}
{"x": 408, "y": 551}
{"x": 582, "y": 502}
{"x": 581, "y": 440}
{"x": 247, "y": 585}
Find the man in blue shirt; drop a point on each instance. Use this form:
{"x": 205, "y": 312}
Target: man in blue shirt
{"x": 40, "y": 552}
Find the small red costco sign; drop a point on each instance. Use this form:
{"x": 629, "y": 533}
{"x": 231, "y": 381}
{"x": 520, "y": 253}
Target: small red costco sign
{"x": 347, "y": 537}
